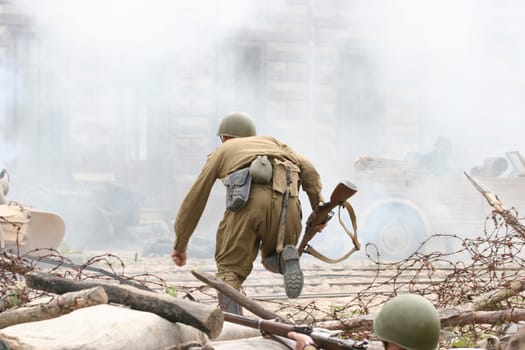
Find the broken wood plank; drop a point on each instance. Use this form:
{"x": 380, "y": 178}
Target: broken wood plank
{"x": 58, "y": 306}
{"x": 206, "y": 318}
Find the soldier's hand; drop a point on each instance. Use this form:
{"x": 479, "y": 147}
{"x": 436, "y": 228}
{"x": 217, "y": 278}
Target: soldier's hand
{"x": 319, "y": 217}
{"x": 302, "y": 340}
{"x": 179, "y": 258}
{"x": 319, "y": 227}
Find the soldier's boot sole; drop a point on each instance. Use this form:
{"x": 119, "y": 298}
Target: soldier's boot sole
{"x": 293, "y": 276}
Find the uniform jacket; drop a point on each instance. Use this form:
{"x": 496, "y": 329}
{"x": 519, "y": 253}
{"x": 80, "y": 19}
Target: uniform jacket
{"x": 232, "y": 155}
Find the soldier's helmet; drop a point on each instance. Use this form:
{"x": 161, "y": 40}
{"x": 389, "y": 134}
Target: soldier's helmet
{"x": 236, "y": 124}
{"x": 410, "y": 321}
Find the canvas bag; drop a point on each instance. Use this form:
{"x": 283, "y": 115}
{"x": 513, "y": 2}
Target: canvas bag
{"x": 286, "y": 177}
{"x": 238, "y": 185}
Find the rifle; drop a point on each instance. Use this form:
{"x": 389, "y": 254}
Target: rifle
{"x": 323, "y": 213}
{"x": 322, "y": 339}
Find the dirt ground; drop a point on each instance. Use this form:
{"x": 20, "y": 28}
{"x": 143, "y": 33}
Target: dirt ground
{"x": 327, "y": 286}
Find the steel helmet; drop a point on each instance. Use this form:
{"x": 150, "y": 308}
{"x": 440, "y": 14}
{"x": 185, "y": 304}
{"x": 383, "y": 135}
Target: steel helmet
{"x": 237, "y": 124}
{"x": 410, "y": 321}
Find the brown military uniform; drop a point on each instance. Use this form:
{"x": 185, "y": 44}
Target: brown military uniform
{"x": 241, "y": 234}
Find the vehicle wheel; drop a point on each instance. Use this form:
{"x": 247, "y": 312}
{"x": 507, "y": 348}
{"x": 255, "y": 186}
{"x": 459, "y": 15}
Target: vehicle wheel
{"x": 395, "y": 228}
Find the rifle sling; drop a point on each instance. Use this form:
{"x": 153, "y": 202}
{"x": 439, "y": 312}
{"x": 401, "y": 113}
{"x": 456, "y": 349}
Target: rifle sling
{"x": 353, "y": 236}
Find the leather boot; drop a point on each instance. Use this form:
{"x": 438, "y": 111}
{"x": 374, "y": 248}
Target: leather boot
{"x": 292, "y": 274}
{"x": 227, "y": 304}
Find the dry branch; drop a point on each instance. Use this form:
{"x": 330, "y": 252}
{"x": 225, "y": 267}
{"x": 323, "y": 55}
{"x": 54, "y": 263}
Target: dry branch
{"x": 491, "y": 198}
{"x": 203, "y": 317}
{"x": 467, "y": 317}
{"x": 449, "y": 318}
{"x": 60, "y": 305}
{"x": 495, "y": 203}
{"x": 363, "y": 323}
{"x": 489, "y": 301}
{"x": 13, "y": 264}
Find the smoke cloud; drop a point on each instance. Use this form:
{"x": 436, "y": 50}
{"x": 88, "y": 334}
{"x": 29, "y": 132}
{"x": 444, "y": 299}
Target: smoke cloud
{"x": 420, "y": 70}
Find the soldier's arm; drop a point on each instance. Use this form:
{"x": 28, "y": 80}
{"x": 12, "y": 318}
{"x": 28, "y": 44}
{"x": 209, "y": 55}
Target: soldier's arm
{"x": 311, "y": 182}
{"x": 193, "y": 205}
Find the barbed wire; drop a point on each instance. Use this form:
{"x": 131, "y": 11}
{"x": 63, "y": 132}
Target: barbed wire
{"x": 488, "y": 263}
{"x": 478, "y": 265}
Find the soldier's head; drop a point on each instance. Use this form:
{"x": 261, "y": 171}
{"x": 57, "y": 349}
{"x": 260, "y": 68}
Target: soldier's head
{"x": 236, "y": 124}
{"x": 408, "y": 321}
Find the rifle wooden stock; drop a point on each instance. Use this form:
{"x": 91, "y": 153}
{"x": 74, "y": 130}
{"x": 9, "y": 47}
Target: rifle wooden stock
{"x": 323, "y": 213}
{"x": 322, "y": 340}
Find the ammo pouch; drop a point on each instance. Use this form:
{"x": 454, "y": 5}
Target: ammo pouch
{"x": 285, "y": 177}
{"x": 238, "y": 185}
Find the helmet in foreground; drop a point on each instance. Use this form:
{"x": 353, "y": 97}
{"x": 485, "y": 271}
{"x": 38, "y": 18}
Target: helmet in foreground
{"x": 237, "y": 124}
{"x": 410, "y": 321}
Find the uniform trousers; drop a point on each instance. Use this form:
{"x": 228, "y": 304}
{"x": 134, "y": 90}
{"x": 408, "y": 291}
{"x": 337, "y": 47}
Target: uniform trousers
{"x": 255, "y": 227}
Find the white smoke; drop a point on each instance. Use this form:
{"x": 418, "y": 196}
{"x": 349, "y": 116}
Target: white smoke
{"x": 461, "y": 65}
{"x": 454, "y": 67}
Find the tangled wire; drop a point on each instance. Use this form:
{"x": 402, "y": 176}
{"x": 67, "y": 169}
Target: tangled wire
{"x": 13, "y": 267}
{"x": 470, "y": 274}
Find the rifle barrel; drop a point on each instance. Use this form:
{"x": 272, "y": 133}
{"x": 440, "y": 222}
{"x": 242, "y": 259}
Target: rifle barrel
{"x": 266, "y": 326}
{"x": 282, "y": 330}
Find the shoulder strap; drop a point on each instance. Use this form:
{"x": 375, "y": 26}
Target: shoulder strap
{"x": 352, "y": 234}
